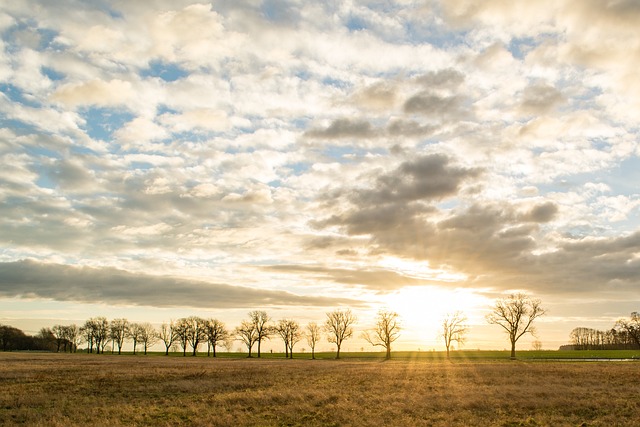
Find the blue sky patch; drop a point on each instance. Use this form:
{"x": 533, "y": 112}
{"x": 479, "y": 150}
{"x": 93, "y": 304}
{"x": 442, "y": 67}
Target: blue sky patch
{"x": 169, "y": 72}
{"x": 101, "y": 123}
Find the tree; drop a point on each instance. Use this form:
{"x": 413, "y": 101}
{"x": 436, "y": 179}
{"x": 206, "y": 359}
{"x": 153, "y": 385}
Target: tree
{"x": 100, "y": 332}
{"x": 135, "y": 333}
{"x": 73, "y": 336}
{"x": 339, "y": 327}
{"x": 247, "y": 333}
{"x": 631, "y": 327}
{"x": 59, "y": 334}
{"x": 147, "y": 336}
{"x": 260, "y": 320}
{"x": 289, "y": 331}
{"x": 119, "y": 330}
{"x": 313, "y": 337}
{"x": 215, "y": 333}
{"x": 181, "y": 329}
{"x": 167, "y": 335}
{"x": 454, "y": 328}
{"x": 196, "y": 332}
{"x": 515, "y": 314}
{"x": 386, "y": 331}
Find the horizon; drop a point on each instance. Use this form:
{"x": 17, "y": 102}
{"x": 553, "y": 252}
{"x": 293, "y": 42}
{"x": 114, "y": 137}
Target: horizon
{"x": 181, "y": 158}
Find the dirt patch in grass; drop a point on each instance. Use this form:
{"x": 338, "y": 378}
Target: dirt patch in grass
{"x": 63, "y": 390}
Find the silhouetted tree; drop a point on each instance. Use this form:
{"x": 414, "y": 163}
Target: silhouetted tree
{"x": 181, "y": 329}
{"x": 247, "y": 333}
{"x": 313, "y": 336}
{"x": 119, "y": 330}
{"x": 339, "y": 327}
{"x": 454, "y": 328}
{"x": 167, "y": 335}
{"x": 135, "y": 333}
{"x": 148, "y": 336}
{"x": 260, "y": 321}
{"x": 289, "y": 331}
{"x": 515, "y": 314}
{"x": 632, "y": 327}
{"x": 385, "y": 332}
{"x": 215, "y": 333}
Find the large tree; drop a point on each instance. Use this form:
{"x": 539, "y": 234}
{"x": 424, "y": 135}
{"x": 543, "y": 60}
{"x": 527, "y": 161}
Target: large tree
{"x": 515, "y": 314}
{"x": 260, "y": 321}
{"x": 196, "y": 332}
{"x": 246, "y": 333}
{"x": 147, "y": 335}
{"x": 385, "y": 332}
{"x": 339, "y": 327}
{"x": 216, "y": 333}
{"x": 454, "y": 328}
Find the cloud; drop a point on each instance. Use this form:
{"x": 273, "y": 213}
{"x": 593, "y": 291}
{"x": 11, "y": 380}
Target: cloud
{"x": 436, "y": 106}
{"x": 343, "y": 128}
{"x": 95, "y": 92}
{"x": 31, "y": 279}
{"x": 540, "y": 99}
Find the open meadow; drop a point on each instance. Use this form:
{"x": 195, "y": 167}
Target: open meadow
{"x": 82, "y": 389}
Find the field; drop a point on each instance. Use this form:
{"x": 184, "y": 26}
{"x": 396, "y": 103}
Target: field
{"x": 359, "y": 390}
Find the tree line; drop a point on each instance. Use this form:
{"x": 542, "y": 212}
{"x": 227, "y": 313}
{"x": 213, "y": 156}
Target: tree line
{"x": 514, "y": 313}
{"x": 625, "y": 334}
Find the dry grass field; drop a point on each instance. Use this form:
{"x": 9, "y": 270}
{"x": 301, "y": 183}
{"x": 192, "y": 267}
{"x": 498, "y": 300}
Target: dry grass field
{"x": 68, "y": 390}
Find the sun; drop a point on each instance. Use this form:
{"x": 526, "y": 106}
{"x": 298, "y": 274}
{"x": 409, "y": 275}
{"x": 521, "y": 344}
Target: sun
{"x": 422, "y": 309}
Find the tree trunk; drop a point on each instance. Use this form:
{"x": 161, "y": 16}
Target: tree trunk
{"x": 338, "y": 353}
{"x": 513, "y": 350}
{"x": 388, "y": 353}
{"x": 214, "y": 350}
{"x": 259, "y": 342}
{"x": 313, "y": 353}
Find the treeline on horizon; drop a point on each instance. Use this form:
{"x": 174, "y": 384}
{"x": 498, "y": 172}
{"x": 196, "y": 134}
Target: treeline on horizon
{"x": 624, "y": 335}
{"x": 189, "y": 334}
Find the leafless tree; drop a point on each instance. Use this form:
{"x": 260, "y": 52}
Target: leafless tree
{"x": 181, "y": 329}
{"x": 515, "y": 314}
{"x": 536, "y": 345}
{"x": 289, "y": 331}
{"x": 385, "y": 332}
{"x": 632, "y": 327}
{"x": 147, "y": 336}
{"x": 313, "y": 337}
{"x": 136, "y": 333}
{"x": 215, "y": 333}
{"x": 339, "y": 327}
{"x": 58, "y": 333}
{"x": 454, "y": 328}
{"x": 246, "y": 333}
{"x": 99, "y": 327}
{"x": 167, "y": 335}
{"x": 119, "y": 330}
{"x": 196, "y": 332}
{"x": 73, "y": 336}
{"x": 260, "y": 320}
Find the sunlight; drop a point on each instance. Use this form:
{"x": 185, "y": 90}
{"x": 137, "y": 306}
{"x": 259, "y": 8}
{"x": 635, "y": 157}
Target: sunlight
{"x": 423, "y": 308}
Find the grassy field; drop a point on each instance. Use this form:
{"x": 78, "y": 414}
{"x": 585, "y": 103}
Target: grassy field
{"x": 81, "y": 389}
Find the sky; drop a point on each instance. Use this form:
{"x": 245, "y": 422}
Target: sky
{"x": 162, "y": 159}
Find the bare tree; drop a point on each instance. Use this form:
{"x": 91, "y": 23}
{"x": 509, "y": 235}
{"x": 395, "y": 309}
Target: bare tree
{"x": 119, "y": 330}
{"x": 289, "y": 331}
{"x": 386, "y": 331}
{"x": 536, "y": 345}
{"x": 181, "y": 329}
{"x": 515, "y": 314}
{"x": 260, "y": 320}
{"x": 339, "y": 327}
{"x": 100, "y": 329}
{"x": 196, "y": 332}
{"x": 246, "y": 333}
{"x": 136, "y": 333}
{"x": 313, "y": 337}
{"x": 147, "y": 336}
{"x": 87, "y": 332}
{"x": 73, "y": 336}
{"x": 454, "y": 328}
{"x": 58, "y": 333}
{"x": 632, "y": 327}
{"x": 167, "y": 335}
{"x": 215, "y": 333}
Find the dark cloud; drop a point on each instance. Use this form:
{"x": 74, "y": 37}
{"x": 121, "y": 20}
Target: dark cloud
{"x": 540, "y": 99}
{"x": 425, "y": 178}
{"x": 371, "y": 278}
{"x": 410, "y": 128}
{"x": 436, "y": 106}
{"x": 30, "y": 279}
{"x": 446, "y": 78}
{"x": 343, "y": 128}
{"x": 543, "y": 212}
